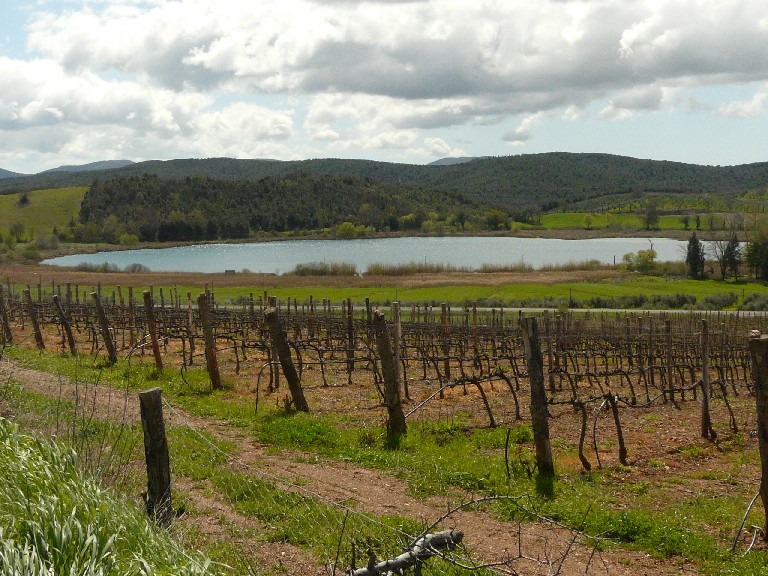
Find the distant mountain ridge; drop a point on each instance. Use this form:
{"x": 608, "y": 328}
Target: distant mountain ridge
{"x": 101, "y": 165}
{"x": 538, "y": 181}
{"x": 9, "y": 174}
{"x": 451, "y": 160}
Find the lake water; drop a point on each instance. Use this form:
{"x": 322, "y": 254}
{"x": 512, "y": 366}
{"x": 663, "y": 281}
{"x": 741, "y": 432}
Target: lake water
{"x": 460, "y": 252}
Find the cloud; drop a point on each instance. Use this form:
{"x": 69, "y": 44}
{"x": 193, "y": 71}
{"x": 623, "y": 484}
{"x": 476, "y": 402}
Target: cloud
{"x": 755, "y": 106}
{"x": 367, "y": 75}
{"x": 439, "y": 147}
{"x": 522, "y": 133}
{"x": 547, "y": 53}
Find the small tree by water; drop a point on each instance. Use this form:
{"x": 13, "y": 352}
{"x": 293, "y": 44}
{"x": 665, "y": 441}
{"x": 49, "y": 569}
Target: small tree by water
{"x": 695, "y": 257}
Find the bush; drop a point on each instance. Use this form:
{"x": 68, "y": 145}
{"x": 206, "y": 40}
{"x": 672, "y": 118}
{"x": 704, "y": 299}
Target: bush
{"x": 673, "y": 301}
{"x": 128, "y": 239}
{"x": 103, "y": 267}
{"x": 323, "y": 269}
{"x": 48, "y": 242}
{"x": 644, "y": 261}
{"x": 755, "y": 302}
{"x": 136, "y": 268}
{"x": 719, "y": 301}
{"x": 30, "y": 253}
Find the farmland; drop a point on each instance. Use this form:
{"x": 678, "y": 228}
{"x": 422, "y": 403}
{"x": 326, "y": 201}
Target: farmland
{"x": 658, "y": 496}
{"x": 284, "y": 455}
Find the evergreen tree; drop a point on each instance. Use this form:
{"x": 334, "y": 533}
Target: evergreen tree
{"x": 756, "y": 257}
{"x": 694, "y": 257}
{"x": 732, "y": 256}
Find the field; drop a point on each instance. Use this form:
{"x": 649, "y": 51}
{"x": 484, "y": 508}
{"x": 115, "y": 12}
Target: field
{"x": 273, "y": 490}
{"x": 630, "y": 221}
{"x": 594, "y": 288}
{"x": 46, "y": 210}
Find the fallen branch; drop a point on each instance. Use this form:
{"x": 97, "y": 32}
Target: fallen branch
{"x": 421, "y": 550}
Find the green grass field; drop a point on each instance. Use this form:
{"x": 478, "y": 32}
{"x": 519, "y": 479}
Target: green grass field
{"x": 625, "y": 221}
{"x": 46, "y": 209}
{"x": 581, "y": 294}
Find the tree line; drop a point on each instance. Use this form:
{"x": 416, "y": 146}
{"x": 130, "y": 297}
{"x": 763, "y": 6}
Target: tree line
{"x": 150, "y": 208}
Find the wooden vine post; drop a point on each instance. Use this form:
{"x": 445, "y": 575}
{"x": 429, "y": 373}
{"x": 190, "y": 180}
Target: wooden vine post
{"x": 280, "y": 344}
{"x": 105, "y": 332}
{"x": 539, "y": 416}
{"x": 397, "y": 335}
{"x": 758, "y": 349}
{"x": 706, "y": 421}
{"x": 158, "y": 498}
{"x": 396, "y": 426}
{"x": 7, "y": 334}
{"x": 350, "y": 339}
{"x": 190, "y": 328}
{"x": 211, "y": 362}
{"x": 149, "y": 310}
{"x": 65, "y": 324}
{"x": 32, "y": 312}
{"x": 445, "y": 333}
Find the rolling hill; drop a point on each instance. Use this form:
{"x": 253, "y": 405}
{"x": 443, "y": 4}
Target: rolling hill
{"x": 535, "y": 181}
{"x": 9, "y": 174}
{"x": 101, "y": 165}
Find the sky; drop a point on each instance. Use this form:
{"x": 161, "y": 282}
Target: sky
{"x": 399, "y": 81}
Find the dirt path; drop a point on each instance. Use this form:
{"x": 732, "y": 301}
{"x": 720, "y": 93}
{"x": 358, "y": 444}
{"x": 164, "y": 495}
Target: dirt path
{"x": 369, "y": 491}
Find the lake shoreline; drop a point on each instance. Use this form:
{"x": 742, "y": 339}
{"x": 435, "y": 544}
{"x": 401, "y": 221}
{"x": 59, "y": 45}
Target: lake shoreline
{"x": 391, "y": 255}
{"x": 559, "y": 234}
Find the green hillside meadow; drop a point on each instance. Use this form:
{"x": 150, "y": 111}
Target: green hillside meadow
{"x": 46, "y": 209}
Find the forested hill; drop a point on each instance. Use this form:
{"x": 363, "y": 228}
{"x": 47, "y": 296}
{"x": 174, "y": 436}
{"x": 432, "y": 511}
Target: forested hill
{"x": 200, "y": 208}
{"x": 540, "y": 181}
{"x": 8, "y": 174}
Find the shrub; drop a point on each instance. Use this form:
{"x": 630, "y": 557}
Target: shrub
{"x": 755, "y": 302}
{"x": 136, "y": 268}
{"x": 672, "y": 301}
{"x": 719, "y": 301}
{"x": 323, "y": 269}
{"x": 128, "y": 239}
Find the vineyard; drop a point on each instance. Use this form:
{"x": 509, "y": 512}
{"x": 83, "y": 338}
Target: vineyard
{"x": 620, "y": 389}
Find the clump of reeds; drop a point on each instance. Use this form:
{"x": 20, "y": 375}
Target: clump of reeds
{"x": 324, "y": 269}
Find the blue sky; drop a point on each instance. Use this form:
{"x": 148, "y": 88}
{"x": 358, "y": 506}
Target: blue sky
{"x": 402, "y": 81}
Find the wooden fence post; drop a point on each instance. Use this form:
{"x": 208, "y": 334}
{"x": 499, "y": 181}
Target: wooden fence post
{"x": 32, "y": 311}
{"x": 7, "y": 333}
{"x": 149, "y": 310}
{"x": 105, "y": 333}
{"x": 65, "y": 324}
{"x": 396, "y": 418}
{"x": 758, "y": 349}
{"x": 158, "y": 498}
{"x": 211, "y": 362}
{"x": 539, "y": 417}
{"x": 280, "y": 344}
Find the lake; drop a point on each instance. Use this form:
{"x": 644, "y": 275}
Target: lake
{"x": 460, "y": 252}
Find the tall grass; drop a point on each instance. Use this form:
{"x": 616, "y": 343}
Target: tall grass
{"x": 54, "y": 519}
{"x": 410, "y": 268}
{"x": 323, "y": 269}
